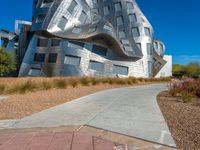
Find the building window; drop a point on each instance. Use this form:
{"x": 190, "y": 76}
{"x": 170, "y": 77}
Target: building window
{"x": 129, "y": 6}
{"x": 99, "y": 50}
{"x": 72, "y": 60}
{"x": 122, "y": 34}
{"x": 147, "y": 31}
{"x": 72, "y": 6}
{"x": 120, "y": 21}
{"x": 47, "y": 1}
{"x": 98, "y": 66}
{"x": 106, "y": 10}
{"x": 132, "y": 18}
{"x": 157, "y": 65}
{"x": 149, "y": 49}
{"x": 76, "y": 30}
{"x": 55, "y": 42}
{"x": 76, "y": 44}
{"x": 52, "y": 57}
{"x": 83, "y": 17}
{"x": 122, "y": 70}
{"x": 118, "y": 7}
{"x": 139, "y": 46}
{"x": 40, "y": 18}
{"x": 62, "y": 23}
{"x": 34, "y": 72}
{"x": 135, "y": 32}
{"x": 150, "y": 67}
{"x": 42, "y": 42}
{"x": 39, "y": 57}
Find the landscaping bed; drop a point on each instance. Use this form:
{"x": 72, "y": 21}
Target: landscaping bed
{"x": 30, "y": 95}
{"x": 181, "y": 109}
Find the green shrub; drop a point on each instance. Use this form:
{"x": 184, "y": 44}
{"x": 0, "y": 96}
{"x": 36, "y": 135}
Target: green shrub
{"x": 186, "y": 97}
{"x": 2, "y": 88}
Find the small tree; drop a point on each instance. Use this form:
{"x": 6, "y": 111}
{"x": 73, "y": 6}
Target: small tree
{"x": 7, "y": 62}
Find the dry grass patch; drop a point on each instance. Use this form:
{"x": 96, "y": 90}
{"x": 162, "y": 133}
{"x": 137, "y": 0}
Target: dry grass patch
{"x": 20, "y": 105}
{"x": 24, "y": 85}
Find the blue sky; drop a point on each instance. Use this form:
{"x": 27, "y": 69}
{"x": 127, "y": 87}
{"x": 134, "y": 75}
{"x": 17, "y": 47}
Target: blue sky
{"x": 175, "y": 22}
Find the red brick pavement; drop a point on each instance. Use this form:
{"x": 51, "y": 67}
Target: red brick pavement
{"x": 55, "y": 141}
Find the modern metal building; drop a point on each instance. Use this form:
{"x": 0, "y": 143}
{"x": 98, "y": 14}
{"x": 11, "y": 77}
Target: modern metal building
{"x": 89, "y": 38}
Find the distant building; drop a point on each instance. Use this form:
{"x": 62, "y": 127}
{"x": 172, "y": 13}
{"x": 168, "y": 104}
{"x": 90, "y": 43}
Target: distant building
{"x": 88, "y": 38}
{"x": 166, "y": 71}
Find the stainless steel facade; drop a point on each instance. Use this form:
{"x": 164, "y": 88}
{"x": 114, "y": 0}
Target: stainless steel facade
{"x": 91, "y": 38}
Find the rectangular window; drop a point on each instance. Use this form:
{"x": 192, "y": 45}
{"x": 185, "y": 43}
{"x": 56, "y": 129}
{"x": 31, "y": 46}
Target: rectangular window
{"x": 147, "y": 31}
{"x": 62, "y": 23}
{"x": 47, "y": 1}
{"x": 129, "y": 6}
{"x": 98, "y": 66}
{"x": 118, "y": 7}
{"x": 158, "y": 65}
{"x": 120, "y": 21}
{"x": 106, "y": 10}
{"x": 76, "y": 30}
{"x": 39, "y": 57}
{"x": 72, "y": 6}
{"x": 83, "y": 17}
{"x": 132, "y": 18}
{"x": 139, "y": 46}
{"x": 34, "y": 72}
{"x": 52, "y": 57}
{"x": 150, "y": 67}
{"x": 122, "y": 70}
{"x": 42, "y": 42}
{"x": 122, "y": 34}
{"x": 55, "y": 42}
{"x": 72, "y": 60}
{"x": 149, "y": 49}
{"x": 135, "y": 32}
{"x": 99, "y": 50}
{"x": 40, "y": 18}
{"x": 76, "y": 44}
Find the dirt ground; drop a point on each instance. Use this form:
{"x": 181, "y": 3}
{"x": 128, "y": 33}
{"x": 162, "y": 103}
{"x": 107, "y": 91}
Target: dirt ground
{"x": 20, "y": 105}
{"x": 183, "y": 120}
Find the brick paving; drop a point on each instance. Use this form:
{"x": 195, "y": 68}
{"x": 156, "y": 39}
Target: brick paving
{"x": 55, "y": 141}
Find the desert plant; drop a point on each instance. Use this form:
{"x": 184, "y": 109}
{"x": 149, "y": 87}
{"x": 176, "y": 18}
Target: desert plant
{"x": 186, "y": 97}
{"x": 60, "y": 83}
{"x": 85, "y": 81}
{"x": 28, "y": 86}
{"x": 173, "y": 92}
{"x": 73, "y": 82}
{"x": 46, "y": 85}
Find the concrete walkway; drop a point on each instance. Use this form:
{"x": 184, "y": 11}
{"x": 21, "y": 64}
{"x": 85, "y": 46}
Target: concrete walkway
{"x": 129, "y": 111}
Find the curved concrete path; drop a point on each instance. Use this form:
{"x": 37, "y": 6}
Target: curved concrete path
{"x": 131, "y": 111}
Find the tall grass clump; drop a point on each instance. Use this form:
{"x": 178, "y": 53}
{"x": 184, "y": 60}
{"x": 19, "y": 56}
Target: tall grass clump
{"x": 28, "y": 86}
{"x": 2, "y": 88}
{"x": 60, "y": 83}
{"x": 46, "y": 85}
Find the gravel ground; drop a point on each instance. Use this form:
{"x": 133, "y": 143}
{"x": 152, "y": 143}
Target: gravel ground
{"x": 20, "y": 105}
{"x": 183, "y": 120}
